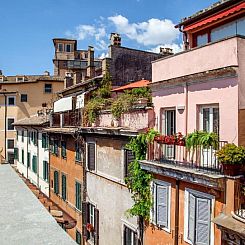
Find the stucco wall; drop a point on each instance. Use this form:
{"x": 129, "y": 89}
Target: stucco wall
{"x": 223, "y": 92}
{"x": 107, "y": 191}
{"x": 209, "y": 57}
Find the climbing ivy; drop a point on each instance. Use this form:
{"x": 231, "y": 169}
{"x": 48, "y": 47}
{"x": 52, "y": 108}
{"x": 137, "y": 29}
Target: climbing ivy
{"x": 138, "y": 181}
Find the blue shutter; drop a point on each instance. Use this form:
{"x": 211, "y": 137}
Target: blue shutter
{"x": 203, "y": 220}
{"x": 191, "y": 218}
{"x": 162, "y": 205}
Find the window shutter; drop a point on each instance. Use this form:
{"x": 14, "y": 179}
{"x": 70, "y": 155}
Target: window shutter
{"x": 96, "y": 211}
{"x": 78, "y": 195}
{"x": 91, "y": 156}
{"x": 153, "y": 208}
{"x": 16, "y": 154}
{"x": 191, "y": 218}
{"x": 162, "y": 205}
{"x": 56, "y": 182}
{"x": 85, "y": 210}
{"x": 128, "y": 158}
{"x": 63, "y": 187}
{"x": 44, "y": 170}
{"x": 203, "y": 214}
{"x": 43, "y": 141}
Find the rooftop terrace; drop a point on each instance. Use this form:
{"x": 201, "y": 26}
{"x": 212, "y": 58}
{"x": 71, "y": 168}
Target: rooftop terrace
{"x": 24, "y": 220}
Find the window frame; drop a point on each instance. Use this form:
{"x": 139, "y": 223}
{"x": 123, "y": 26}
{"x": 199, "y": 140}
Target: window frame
{"x": 95, "y": 156}
{"x": 63, "y": 149}
{"x": 9, "y": 118}
{"x": 50, "y": 90}
{"x": 60, "y": 45}
{"x": 153, "y": 210}
{"x": 23, "y": 100}
{"x": 10, "y": 149}
{"x": 11, "y": 97}
{"x": 68, "y": 45}
{"x": 186, "y": 212}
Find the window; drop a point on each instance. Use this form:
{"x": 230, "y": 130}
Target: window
{"x": 29, "y": 137}
{"x": 202, "y": 39}
{"x": 56, "y": 182}
{"x": 198, "y": 218}
{"x": 91, "y": 216}
{"x": 11, "y": 100}
{"x": 129, "y": 236}
{"x": 56, "y": 147}
{"x": 23, "y": 98}
{"x": 170, "y": 129}
{"x": 161, "y": 204}
{"x": 48, "y": 88}
{"x": 17, "y": 135}
{"x": 78, "y": 193}
{"x": 22, "y": 135}
{"x": 34, "y": 164}
{"x": 63, "y": 149}
{"x": 128, "y": 158}
{"x": 63, "y": 185}
{"x": 22, "y": 156}
{"x": 209, "y": 119}
{"x": 45, "y": 170}
{"x": 34, "y": 135}
{"x": 10, "y": 124}
{"x": 60, "y": 47}
{"x": 10, "y": 157}
{"x": 20, "y": 79}
{"x": 10, "y": 144}
{"x": 16, "y": 154}
{"x": 44, "y": 141}
{"x": 78, "y": 152}
{"x": 68, "y": 47}
{"x": 28, "y": 159}
{"x": 91, "y": 156}
{"x": 78, "y": 237}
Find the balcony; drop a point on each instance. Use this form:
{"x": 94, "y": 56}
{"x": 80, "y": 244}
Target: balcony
{"x": 135, "y": 119}
{"x": 200, "y": 159}
{"x": 67, "y": 119}
{"x": 77, "y": 64}
{"x": 220, "y": 54}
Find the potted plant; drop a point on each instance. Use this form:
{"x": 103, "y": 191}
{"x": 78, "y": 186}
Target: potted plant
{"x": 90, "y": 227}
{"x": 231, "y": 157}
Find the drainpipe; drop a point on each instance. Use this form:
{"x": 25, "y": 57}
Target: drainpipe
{"x": 5, "y": 126}
{"x": 186, "y": 108}
{"x": 176, "y": 238}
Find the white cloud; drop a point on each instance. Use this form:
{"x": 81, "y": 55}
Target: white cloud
{"x": 175, "y": 47}
{"x": 104, "y": 55}
{"x": 151, "y": 32}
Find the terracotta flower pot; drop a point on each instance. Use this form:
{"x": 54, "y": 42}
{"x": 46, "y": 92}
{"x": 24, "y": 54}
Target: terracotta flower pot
{"x": 231, "y": 169}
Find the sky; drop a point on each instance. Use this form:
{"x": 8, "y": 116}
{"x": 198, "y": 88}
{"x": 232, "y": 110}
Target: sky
{"x": 27, "y": 27}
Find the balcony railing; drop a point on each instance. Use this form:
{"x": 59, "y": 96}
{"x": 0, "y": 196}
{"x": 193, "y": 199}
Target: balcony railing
{"x": 199, "y": 158}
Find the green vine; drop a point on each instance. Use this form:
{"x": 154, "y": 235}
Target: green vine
{"x": 138, "y": 180}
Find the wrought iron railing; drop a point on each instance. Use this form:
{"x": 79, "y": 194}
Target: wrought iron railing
{"x": 240, "y": 200}
{"x": 197, "y": 158}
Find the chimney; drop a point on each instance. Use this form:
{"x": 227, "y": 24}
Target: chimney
{"x": 115, "y": 39}
{"x": 91, "y": 67}
{"x": 46, "y": 73}
{"x": 166, "y": 51}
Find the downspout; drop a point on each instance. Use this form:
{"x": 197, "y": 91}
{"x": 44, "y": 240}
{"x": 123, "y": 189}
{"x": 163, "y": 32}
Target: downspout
{"x": 176, "y": 238}
{"x": 5, "y": 126}
{"x": 186, "y": 108}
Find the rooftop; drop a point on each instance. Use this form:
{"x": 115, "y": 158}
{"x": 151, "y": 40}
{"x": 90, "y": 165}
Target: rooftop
{"x": 33, "y": 121}
{"x": 24, "y": 220}
{"x": 138, "y": 84}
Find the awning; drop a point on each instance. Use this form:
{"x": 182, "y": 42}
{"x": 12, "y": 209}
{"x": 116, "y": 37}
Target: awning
{"x": 215, "y": 17}
{"x": 64, "y": 104}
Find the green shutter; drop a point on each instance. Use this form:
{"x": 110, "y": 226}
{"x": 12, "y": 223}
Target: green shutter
{"x": 45, "y": 170}
{"x": 34, "y": 164}
{"x": 22, "y": 156}
{"x": 63, "y": 149}
{"x": 78, "y": 237}
{"x": 28, "y": 159}
{"x": 78, "y": 195}
{"x": 16, "y": 154}
{"x": 63, "y": 187}
{"x": 43, "y": 140}
{"x": 56, "y": 182}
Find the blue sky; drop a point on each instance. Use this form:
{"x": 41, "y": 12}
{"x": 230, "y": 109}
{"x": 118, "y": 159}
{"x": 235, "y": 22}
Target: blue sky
{"x": 28, "y": 27}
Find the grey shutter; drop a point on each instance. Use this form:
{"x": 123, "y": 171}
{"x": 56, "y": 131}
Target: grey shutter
{"x": 162, "y": 205}
{"x": 63, "y": 187}
{"x": 203, "y": 221}
{"x": 128, "y": 158}
{"x": 91, "y": 156}
{"x": 96, "y": 213}
{"x": 191, "y": 217}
